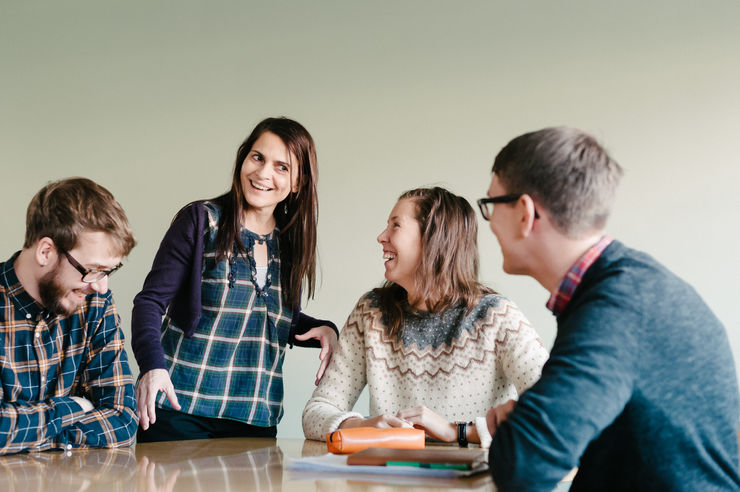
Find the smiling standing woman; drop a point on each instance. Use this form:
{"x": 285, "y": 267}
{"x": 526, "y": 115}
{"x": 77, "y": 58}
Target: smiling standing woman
{"x": 435, "y": 347}
{"x": 228, "y": 279}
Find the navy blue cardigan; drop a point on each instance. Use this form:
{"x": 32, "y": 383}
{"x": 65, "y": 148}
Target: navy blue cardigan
{"x": 174, "y": 285}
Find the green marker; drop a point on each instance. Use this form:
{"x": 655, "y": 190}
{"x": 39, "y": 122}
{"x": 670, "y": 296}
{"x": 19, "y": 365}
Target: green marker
{"x": 434, "y": 466}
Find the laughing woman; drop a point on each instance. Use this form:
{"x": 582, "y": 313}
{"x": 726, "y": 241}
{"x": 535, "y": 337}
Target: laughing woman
{"x": 435, "y": 347}
{"x": 229, "y": 274}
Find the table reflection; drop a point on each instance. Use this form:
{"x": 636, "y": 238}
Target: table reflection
{"x": 204, "y": 465}
{"x": 79, "y": 470}
{"x": 376, "y": 483}
{"x": 219, "y": 464}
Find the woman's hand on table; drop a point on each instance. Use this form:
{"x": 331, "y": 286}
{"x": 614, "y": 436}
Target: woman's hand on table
{"x": 432, "y": 423}
{"x": 383, "y": 421}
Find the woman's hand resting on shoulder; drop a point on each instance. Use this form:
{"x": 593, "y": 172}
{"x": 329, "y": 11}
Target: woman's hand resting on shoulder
{"x": 327, "y": 338}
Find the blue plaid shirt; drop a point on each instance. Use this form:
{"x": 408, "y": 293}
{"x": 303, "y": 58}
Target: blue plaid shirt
{"x": 232, "y": 366}
{"x": 47, "y": 359}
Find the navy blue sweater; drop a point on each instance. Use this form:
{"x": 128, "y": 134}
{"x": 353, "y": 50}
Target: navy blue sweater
{"x": 639, "y": 392}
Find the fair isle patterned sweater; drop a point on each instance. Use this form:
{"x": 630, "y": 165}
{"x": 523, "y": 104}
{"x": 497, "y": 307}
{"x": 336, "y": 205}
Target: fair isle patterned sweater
{"x": 458, "y": 365}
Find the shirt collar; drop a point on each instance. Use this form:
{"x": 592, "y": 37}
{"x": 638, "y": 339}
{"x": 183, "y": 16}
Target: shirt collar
{"x": 560, "y": 298}
{"x": 22, "y": 299}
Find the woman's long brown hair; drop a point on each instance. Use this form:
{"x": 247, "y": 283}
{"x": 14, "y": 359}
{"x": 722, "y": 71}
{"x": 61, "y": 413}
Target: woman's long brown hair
{"x": 448, "y": 273}
{"x": 296, "y": 216}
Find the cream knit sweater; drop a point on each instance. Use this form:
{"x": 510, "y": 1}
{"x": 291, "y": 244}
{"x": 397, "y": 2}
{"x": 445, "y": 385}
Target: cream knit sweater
{"x": 457, "y": 365}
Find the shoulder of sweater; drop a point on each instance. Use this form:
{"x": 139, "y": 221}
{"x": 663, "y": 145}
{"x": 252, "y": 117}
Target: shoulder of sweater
{"x": 498, "y": 310}
{"x": 198, "y": 208}
{"x": 191, "y": 208}
{"x": 197, "y": 215}
{"x": 368, "y": 300}
{"x": 187, "y": 216}
{"x": 621, "y": 280}
{"x": 495, "y": 301}
{"x": 619, "y": 264}
{"x": 370, "y": 295}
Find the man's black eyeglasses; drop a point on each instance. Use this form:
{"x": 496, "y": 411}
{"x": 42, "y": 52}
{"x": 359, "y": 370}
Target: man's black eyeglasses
{"x": 486, "y": 204}
{"x": 90, "y": 276}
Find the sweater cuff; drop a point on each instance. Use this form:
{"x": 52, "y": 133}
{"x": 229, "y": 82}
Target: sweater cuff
{"x": 336, "y": 421}
{"x": 482, "y": 427}
{"x": 151, "y": 359}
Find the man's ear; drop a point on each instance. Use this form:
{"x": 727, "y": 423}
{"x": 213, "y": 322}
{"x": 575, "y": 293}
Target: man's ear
{"x": 45, "y": 252}
{"x": 528, "y": 215}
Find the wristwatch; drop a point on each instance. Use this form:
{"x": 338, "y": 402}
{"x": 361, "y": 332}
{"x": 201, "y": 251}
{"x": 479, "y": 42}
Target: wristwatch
{"x": 462, "y": 434}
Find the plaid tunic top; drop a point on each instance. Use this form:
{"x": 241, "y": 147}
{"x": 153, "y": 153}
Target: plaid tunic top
{"x": 232, "y": 366}
{"x": 47, "y": 359}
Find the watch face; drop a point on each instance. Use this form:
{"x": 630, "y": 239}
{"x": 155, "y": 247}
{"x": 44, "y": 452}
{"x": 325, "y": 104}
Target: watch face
{"x": 462, "y": 437}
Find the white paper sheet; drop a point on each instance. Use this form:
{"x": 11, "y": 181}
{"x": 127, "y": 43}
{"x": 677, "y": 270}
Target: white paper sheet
{"x": 335, "y": 463}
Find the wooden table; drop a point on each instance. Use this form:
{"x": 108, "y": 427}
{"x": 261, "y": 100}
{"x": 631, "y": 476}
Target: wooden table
{"x": 212, "y": 465}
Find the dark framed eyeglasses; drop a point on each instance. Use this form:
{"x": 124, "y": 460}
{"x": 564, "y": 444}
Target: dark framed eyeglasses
{"x": 93, "y": 275}
{"x": 486, "y": 204}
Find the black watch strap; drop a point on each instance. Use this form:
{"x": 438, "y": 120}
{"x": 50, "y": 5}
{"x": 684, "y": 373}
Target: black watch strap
{"x": 462, "y": 434}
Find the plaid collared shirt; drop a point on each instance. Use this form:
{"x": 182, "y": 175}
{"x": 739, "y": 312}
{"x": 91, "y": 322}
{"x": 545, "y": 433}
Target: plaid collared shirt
{"x": 232, "y": 366}
{"x": 560, "y": 298}
{"x": 47, "y": 359}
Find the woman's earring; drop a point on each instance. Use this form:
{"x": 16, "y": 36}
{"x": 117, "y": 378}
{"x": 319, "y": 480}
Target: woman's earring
{"x": 285, "y": 208}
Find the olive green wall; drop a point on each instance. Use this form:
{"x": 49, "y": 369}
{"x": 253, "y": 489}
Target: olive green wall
{"x": 152, "y": 99}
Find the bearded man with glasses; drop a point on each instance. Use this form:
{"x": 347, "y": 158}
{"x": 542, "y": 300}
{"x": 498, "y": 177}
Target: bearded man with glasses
{"x": 64, "y": 376}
